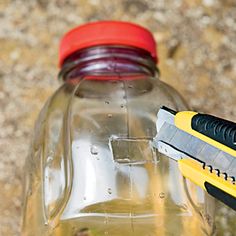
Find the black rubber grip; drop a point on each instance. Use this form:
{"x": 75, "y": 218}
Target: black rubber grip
{"x": 220, "y": 130}
{"x": 222, "y": 196}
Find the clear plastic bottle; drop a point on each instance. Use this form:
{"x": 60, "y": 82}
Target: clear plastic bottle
{"x": 91, "y": 169}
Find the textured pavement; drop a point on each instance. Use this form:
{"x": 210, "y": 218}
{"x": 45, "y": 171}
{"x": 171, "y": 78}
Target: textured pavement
{"x": 197, "y": 48}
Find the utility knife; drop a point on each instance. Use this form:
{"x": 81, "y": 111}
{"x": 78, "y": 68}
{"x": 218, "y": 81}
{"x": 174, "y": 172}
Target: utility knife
{"x": 204, "y": 147}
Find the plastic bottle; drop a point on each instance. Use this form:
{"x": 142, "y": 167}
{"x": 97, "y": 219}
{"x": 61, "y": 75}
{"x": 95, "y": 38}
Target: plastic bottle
{"x": 91, "y": 169}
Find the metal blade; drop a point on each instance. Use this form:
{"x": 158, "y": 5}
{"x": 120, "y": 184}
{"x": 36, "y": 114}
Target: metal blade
{"x": 172, "y": 141}
{"x": 164, "y": 115}
{"x": 166, "y": 133}
{"x": 232, "y": 169}
{"x": 169, "y": 151}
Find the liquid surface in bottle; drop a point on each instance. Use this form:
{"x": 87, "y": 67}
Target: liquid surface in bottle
{"x": 115, "y": 226}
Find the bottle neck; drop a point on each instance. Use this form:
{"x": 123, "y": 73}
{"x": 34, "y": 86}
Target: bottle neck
{"x": 108, "y": 61}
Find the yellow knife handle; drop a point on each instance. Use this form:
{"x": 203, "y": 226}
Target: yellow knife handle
{"x": 213, "y": 130}
{"x": 209, "y": 180}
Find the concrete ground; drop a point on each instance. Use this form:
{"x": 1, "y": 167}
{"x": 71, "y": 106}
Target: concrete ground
{"x": 197, "y": 48}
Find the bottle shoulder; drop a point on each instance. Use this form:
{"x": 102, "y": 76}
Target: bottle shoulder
{"x": 170, "y": 92}
{"x": 148, "y": 92}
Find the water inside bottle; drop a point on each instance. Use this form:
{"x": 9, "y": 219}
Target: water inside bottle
{"x": 150, "y": 204}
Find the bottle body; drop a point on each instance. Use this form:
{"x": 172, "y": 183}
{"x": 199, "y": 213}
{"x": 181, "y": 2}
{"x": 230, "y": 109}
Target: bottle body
{"x": 92, "y": 170}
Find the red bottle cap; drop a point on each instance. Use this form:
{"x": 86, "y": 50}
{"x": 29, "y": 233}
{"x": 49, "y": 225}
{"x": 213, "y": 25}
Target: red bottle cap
{"x": 106, "y": 33}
